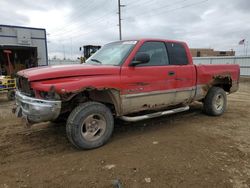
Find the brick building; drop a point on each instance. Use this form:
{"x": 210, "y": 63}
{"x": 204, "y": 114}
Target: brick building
{"x": 208, "y": 52}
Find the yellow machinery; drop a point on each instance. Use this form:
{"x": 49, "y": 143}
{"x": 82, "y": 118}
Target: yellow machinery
{"x": 88, "y": 50}
{"x": 8, "y": 85}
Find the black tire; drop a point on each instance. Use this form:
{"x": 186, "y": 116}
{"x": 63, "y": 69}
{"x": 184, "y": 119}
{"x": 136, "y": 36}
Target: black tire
{"x": 11, "y": 95}
{"x": 90, "y": 125}
{"x": 215, "y": 102}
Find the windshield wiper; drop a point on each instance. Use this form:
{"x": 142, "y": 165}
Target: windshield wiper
{"x": 96, "y": 60}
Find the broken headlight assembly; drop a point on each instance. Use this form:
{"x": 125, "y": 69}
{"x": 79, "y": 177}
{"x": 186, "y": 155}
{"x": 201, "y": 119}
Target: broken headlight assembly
{"x": 49, "y": 95}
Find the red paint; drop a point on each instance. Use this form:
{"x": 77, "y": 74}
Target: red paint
{"x": 127, "y": 79}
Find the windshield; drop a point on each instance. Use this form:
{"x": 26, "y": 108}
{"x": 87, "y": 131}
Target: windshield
{"x": 112, "y": 53}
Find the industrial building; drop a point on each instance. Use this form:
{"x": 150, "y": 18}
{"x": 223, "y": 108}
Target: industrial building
{"x": 21, "y": 48}
{"x": 208, "y": 52}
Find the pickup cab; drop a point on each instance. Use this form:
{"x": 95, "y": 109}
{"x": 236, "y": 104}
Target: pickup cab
{"x": 132, "y": 80}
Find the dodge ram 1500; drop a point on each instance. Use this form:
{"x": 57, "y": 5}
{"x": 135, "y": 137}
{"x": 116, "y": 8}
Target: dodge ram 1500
{"x": 131, "y": 80}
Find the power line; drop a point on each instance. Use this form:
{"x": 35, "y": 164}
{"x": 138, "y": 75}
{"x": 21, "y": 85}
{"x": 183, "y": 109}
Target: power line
{"x": 139, "y": 2}
{"x": 87, "y": 33}
{"x": 64, "y": 34}
{"x": 77, "y": 39}
{"x": 77, "y": 16}
{"x": 149, "y": 3}
{"x": 81, "y": 5}
{"x": 95, "y": 22}
{"x": 83, "y": 35}
{"x": 182, "y": 7}
{"x": 156, "y": 10}
{"x": 70, "y": 31}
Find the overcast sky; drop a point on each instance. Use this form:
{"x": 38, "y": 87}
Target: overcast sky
{"x": 218, "y": 24}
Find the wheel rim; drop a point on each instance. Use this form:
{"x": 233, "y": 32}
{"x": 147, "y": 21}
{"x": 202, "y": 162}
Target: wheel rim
{"x": 219, "y": 102}
{"x": 93, "y": 127}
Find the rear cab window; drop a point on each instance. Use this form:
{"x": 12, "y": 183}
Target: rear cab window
{"x": 177, "y": 53}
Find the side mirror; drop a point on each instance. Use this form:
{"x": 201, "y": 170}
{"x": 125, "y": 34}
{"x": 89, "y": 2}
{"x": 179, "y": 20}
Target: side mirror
{"x": 140, "y": 58}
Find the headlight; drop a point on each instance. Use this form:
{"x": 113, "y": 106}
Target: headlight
{"x": 49, "y": 95}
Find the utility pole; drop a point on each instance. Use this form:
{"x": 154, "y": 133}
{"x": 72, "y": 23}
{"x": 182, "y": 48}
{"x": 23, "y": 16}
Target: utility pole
{"x": 120, "y": 20}
{"x": 71, "y": 48}
{"x": 246, "y": 47}
{"x": 64, "y": 57}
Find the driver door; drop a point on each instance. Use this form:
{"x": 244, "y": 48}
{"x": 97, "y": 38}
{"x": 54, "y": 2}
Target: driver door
{"x": 151, "y": 85}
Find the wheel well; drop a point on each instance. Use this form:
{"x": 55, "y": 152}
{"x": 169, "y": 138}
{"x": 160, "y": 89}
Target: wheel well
{"x": 224, "y": 82}
{"x": 109, "y": 97}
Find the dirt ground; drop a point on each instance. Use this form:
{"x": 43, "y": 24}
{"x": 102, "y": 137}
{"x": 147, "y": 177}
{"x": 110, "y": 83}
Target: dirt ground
{"x": 183, "y": 150}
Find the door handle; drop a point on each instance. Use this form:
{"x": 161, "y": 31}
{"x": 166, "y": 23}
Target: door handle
{"x": 171, "y": 73}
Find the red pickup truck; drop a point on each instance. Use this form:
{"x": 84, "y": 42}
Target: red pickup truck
{"x": 131, "y": 80}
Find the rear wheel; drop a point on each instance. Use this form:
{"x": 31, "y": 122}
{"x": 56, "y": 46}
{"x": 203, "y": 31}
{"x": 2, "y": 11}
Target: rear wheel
{"x": 90, "y": 125}
{"x": 215, "y": 101}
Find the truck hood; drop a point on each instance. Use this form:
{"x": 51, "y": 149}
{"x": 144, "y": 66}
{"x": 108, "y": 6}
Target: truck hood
{"x": 62, "y": 71}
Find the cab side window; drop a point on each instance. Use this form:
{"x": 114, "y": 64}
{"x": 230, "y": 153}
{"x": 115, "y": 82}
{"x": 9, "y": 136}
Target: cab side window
{"x": 177, "y": 54}
{"x": 157, "y": 52}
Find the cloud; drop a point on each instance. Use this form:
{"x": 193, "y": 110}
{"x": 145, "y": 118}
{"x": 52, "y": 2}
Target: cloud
{"x": 71, "y": 24}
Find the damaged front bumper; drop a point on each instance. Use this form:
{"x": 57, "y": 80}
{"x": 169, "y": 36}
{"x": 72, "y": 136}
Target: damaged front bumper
{"x": 36, "y": 110}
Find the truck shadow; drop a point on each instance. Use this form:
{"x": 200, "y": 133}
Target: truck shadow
{"x": 163, "y": 122}
{"x": 51, "y": 138}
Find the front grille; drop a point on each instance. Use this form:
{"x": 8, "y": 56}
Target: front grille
{"x": 23, "y": 86}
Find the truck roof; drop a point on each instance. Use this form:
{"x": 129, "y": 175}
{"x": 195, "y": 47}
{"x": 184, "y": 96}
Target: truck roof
{"x": 154, "y": 39}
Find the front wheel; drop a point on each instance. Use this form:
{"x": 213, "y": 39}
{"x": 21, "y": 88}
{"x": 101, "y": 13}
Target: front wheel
{"x": 215, "y": 101}
{"x": 90, "y": 125}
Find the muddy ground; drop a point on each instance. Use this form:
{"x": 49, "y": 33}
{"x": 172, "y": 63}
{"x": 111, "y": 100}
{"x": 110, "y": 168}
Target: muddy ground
{"x": 183, "y": 150}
